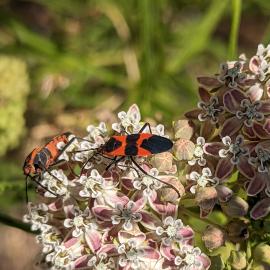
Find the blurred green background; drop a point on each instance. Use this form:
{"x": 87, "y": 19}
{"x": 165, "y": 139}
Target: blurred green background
{"x": 65, "y": 64}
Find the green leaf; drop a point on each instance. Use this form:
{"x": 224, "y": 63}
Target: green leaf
{"x": 199, "y": 243}
{"x": 236, "y": 14}
{"x": 224, "y": 251}
{"x": 197, "y": 37}
{"x": 233, "y": 178}
{"x": 266, "y": 225}
{"x": 217, "y": 263}
{"x": 197, "y": 224}
{"x": 248, "y": 251}
{"x": 32, "y": 39}
{"x": 4, "y": 186}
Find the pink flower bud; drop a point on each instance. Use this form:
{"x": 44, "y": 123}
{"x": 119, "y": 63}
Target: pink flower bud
{"x": 213, "y": 237}
{"x": 184, "y": 149}
{"x": 183, "y": 129}
{"x": 163, "y": 161}
{"x": 206, "y": 198}
{"x": 235, "y": 207}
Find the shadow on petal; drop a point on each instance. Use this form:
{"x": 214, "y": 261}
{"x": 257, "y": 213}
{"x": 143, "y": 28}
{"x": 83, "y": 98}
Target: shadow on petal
{"x": 249, "y": 132}
{"x": 224, "y": 193}
{"x": 204, "y": 94}
{"x": 210, "y": 82}
{"x": 257, "y": 184}
{"x": 193, "y": 114}
{"x": 213, "y": 148}
{"x": 81, "y": 262}
{"x": 232, "y": 100}
{"x": 186, "y": 233}
{"x": 149, "y": 220}
{"x": 254, "y": 64}
{"x": 261, "y": 209}
{"x": 167, "y": 252}
{"x": 207, "y": 129}
{"x": 93, "y": 239}
{"x": 266, "y": 126}
{"x": 205, "y": 261}
{"x": 224, "y": 168}
{"x": 103, "y": 212}
{"x": 262, "y": 131}
{"x": 265, "y": 107}
{"x": 255, "y": 92}
{"x": 150, "y": 253}
{"x": 245, "y": 168}
{"x": 231, "y": 126}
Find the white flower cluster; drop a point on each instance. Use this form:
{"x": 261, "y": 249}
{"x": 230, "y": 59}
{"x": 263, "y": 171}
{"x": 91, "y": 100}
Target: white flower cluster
{"x": 118, "y": 218}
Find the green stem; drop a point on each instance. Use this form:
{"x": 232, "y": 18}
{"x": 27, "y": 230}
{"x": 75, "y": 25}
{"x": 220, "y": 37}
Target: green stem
{"x": 236, "y": 15}
{"x": 184, "y": 211}
{"x": 16, "y": 223}
{"x": 187, "y": 203}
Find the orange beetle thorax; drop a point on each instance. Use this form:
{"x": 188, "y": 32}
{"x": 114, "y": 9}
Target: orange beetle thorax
{"x": 29, "y": 167}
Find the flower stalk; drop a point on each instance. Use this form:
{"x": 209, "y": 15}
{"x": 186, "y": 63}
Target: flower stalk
{"x": 15, "y": 223}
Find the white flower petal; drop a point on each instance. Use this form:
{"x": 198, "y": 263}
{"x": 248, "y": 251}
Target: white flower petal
{"x": 168, "y": 221}
{"x": 68, "y": 223}
{"x": 226, "y": 140}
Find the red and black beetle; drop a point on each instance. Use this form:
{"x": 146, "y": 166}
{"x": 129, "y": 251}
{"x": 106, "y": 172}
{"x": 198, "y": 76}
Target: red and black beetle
{"x": 119, "y": 147}
{"x": 42, "y": 158}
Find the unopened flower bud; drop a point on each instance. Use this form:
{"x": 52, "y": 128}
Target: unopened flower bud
{"x": 238, "y": 260}
{"x": 184, "y": 149}
{"x": 258, "y": 266}
{"x": 169, "y": 194}
{"x": 262, "y": 253}
{"x": 235, "y": 207}
{"x": 206, "y": 193}
{"x": 163, "y": 161}
{"x": 237, "y": 231}
{"x": 183, "y": 129}
{"x": 213, "y": 237}
{"x": 206, "y": 198}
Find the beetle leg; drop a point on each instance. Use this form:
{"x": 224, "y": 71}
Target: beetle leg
{"x": 39, "y": 184}
{"x": 131, "y": 167}
{"x": 143, "y": 171}
{"x": 144, "y": 127}
{"x": 59, "y": 162}
{"x": 114, "y": 162}
{"x": 45, "y": 170}
{"x": 69, "y": 143}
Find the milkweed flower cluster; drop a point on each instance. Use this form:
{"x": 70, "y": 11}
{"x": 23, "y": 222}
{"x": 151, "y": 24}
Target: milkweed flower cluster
{"x": 231, "y": 125}
{"x": 92, "y": 217}
{"x": 98, "y": 215}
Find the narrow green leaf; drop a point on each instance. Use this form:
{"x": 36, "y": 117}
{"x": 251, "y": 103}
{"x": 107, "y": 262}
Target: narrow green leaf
{"x": 196, "y": 39}
{"x": 236, "y": 15}
{"x": 217, "y": 263}
{"x": 32, "y": 39}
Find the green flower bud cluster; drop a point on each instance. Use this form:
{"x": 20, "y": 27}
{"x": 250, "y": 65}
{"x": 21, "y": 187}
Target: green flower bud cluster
{"x": 14, "y": 87}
